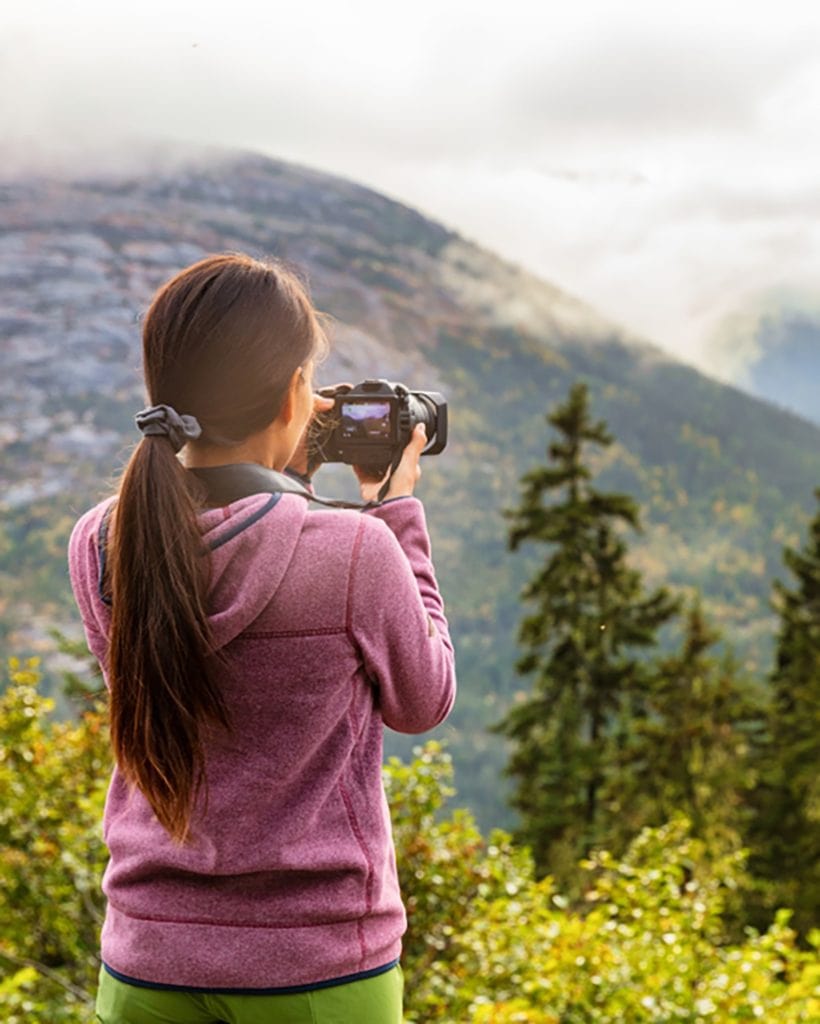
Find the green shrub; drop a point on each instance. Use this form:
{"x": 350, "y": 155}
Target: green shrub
{"x": 53, "y": 777}
{"x": 644, "y": 944}
{"x": 486, "y": 943}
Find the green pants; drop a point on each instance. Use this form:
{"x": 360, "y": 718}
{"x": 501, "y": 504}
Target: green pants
{"x": 375, "y": 1000}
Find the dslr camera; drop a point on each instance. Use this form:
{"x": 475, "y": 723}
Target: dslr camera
{"x": 371, "y": 423}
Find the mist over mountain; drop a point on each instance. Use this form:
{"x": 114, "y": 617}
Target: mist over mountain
{"x": 724, "y": 480}
{"x": 786, "y": 370}
{"x": 771, "y": 349}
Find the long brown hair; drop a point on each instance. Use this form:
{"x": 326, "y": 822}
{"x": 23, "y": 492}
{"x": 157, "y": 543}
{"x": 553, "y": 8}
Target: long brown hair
{"x": 221, "y": 342}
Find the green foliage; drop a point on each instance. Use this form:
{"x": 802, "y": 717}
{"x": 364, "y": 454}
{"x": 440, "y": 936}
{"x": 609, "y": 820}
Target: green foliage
{"x": 689, "y": 752}
{"x": 785, "y": 834}
{"x": 444, "y": 864}
{"x": 487, "y": 942}
{"x": 646, "y": 950}
{"x": 719, "y": 492}
{"x": 582, "y": 642}
{"x": 52, "y": 788}
{"x": 82, "y": 683}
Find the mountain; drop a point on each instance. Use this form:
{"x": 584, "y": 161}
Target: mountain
{"x": 724, "y": 479}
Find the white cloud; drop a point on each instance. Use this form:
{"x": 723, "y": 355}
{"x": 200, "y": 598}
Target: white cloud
{"x": 659, "y": 162}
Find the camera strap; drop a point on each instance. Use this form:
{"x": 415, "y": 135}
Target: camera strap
{"x": 385, "y": 487}
{"x": 224, "y": 484}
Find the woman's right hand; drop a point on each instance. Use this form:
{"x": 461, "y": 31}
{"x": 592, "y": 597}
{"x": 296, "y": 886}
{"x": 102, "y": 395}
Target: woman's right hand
{"x": 407, "y": 473}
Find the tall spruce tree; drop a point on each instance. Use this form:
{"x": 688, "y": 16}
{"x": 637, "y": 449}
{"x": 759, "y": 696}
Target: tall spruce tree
{"x": 786, "y": 831}
{"x": 582, "y": 644}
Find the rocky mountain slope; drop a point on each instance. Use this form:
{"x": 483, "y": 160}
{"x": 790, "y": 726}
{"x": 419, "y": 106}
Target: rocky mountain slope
{"x": 724, "y": 479}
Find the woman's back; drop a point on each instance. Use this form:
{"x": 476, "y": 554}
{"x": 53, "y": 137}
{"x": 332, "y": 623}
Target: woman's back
{"x": 253, "y": 652}
{"x": 323, "y": 632}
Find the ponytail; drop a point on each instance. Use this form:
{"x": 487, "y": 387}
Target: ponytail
{"x": 161, "y": 663}
{"x": 221, "y": 342}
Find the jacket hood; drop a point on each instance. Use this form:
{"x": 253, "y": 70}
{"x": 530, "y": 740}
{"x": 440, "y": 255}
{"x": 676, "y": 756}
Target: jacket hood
{"x": 252, "y": 542}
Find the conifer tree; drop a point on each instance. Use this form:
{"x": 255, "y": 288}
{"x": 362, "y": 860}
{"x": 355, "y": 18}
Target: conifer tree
{"x": 786, "y": 831}
{"x": 690, "y": 752}
{"x": 582, "y": 643}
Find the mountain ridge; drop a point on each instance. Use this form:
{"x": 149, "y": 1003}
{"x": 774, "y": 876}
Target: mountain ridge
{"x": 724, "y": 480}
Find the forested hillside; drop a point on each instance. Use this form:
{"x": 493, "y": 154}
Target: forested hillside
{"x": 723, "y": 480}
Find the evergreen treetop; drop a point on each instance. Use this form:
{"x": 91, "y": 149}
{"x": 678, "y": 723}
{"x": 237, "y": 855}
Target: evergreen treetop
{"x": 581, "y": 642}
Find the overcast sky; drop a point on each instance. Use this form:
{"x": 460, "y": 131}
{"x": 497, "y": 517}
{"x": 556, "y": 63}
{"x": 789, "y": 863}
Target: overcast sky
{"x": 661, "y": 161}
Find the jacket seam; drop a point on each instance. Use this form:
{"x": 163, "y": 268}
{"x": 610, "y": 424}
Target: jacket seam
{"x": 354, "y": 557}
{"x": 152, "y": 919}
{"x": 368, "y": 886}
{"x": 272, "y": 634}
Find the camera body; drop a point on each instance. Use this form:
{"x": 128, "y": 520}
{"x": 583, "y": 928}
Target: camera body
{"x": 371, "y": 423}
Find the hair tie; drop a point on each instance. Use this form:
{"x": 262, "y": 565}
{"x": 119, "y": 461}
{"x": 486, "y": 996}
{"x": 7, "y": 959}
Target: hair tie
{"x": 164, "y": 421}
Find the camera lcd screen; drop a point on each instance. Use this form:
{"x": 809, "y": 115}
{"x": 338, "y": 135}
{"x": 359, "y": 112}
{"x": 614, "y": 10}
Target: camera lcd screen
{"x": 365, "y": 421}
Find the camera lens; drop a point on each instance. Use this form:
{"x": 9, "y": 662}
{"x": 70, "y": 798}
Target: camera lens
{"x": 422, "y": 410}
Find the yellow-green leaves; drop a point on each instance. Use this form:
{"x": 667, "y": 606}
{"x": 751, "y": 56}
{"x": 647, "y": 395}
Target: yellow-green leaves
{"x": 52, "y": 786}
{"x": 644, "y": 944}
{"x": 487, "y": 944}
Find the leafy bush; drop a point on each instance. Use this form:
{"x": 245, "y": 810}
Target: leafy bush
{"x": 445, "y": 867}
{"x": 486, "y": 944}
{"x": 644, "y": 944}
{"x": 53, "y": 777}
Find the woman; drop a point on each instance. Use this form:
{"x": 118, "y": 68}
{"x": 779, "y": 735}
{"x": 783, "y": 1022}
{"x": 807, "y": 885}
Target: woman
{"x": 253, "y": 651}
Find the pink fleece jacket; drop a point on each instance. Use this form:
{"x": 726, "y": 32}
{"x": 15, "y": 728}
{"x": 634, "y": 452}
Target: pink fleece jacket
{"x": 333, "y": 626}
